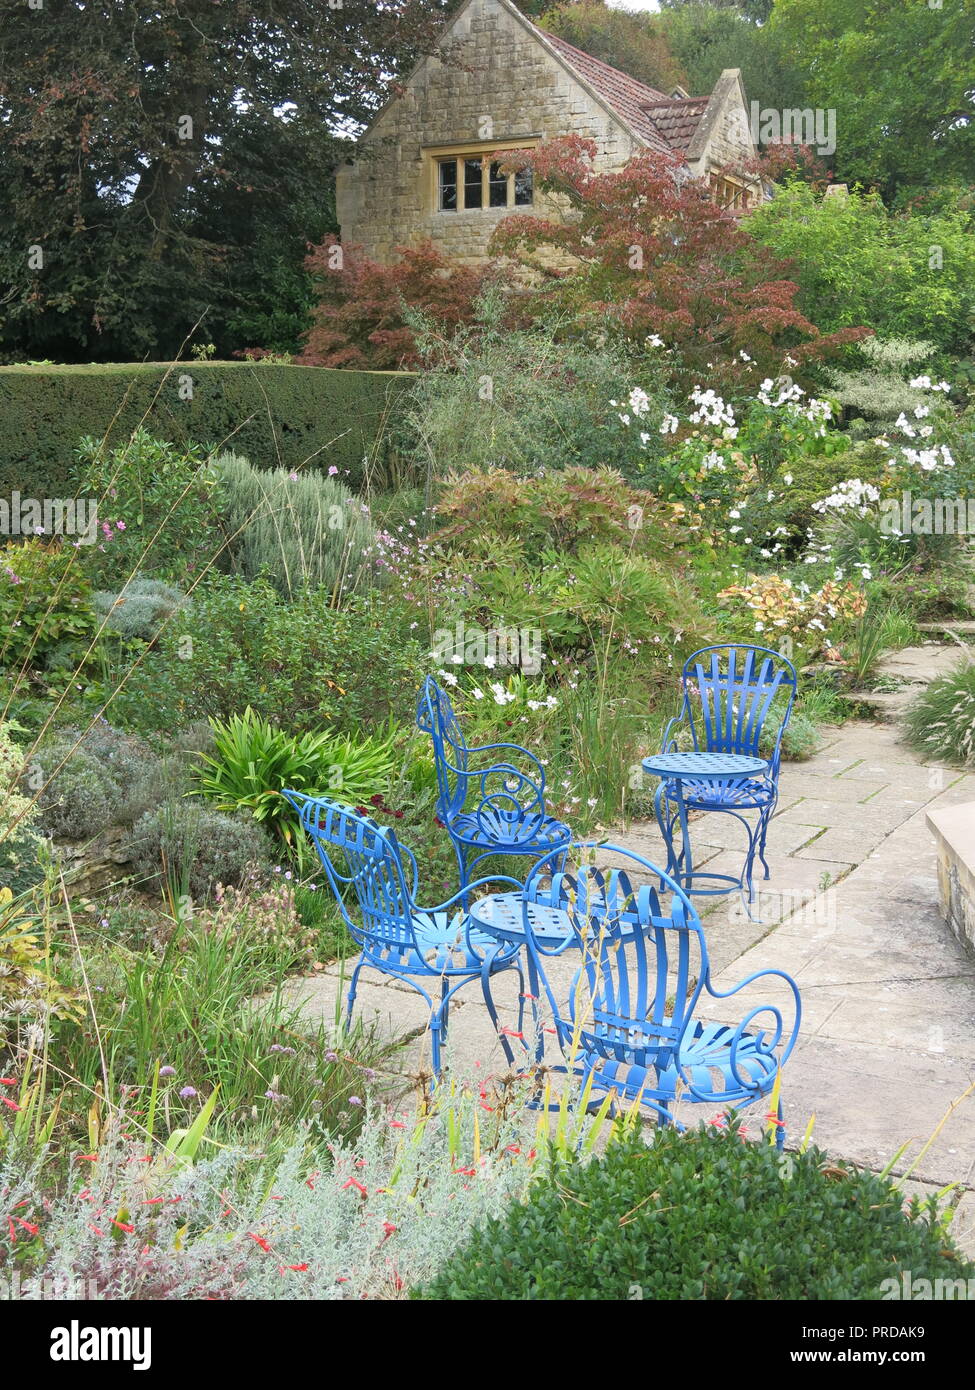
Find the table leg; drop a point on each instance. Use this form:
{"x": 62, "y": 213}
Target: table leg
{"x": 684, "y": 877}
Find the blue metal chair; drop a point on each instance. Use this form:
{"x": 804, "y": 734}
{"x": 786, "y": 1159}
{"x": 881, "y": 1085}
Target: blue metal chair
{"x": 487, "y": 810}
{"x": 630, "y": 1021}
{"x": 397, "y": 936}
{"x": 728, "y": 695}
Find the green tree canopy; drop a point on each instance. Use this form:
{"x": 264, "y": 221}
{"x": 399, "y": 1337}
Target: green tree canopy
{"x": 900, "y": 75}
{"x": 146, "y": 150}
{"x": 904, "y": 274}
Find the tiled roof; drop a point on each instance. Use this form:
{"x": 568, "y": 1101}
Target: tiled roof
{"x": 627, "y": 97}
{"x": 677, "y": 119}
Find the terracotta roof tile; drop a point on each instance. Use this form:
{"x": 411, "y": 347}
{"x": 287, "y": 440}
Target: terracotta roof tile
{"x": 677, "y": 119}
{"x": 627, "y": 97}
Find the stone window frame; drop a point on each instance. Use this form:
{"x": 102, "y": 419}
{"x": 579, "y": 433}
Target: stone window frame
{"x": 730, "y": 192}
{"x": 434, "y": 155}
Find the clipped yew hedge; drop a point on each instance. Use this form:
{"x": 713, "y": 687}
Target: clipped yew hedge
{"x": 275, "y": 415}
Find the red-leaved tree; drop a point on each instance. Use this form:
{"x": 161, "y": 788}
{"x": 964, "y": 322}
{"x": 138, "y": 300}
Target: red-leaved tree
{"x": 359, "y": 320}
{"x": 645, "y": 249}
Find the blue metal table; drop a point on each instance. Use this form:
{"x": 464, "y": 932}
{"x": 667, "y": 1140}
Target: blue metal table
{"x": 678, "y": 768}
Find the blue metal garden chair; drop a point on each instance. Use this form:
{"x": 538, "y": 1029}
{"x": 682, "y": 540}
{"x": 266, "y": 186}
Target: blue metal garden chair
{"x": 487, "y": 809}
{"x": 397, "y": 936}
{"x": 729, "y": 693}
{"x": 629, "y": 1024}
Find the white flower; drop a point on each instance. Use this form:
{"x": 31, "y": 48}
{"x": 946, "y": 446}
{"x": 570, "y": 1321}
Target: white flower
{"x": 669, "y": 424}
{"x": 639, "y": 401}
{"x": 787, "y": 479}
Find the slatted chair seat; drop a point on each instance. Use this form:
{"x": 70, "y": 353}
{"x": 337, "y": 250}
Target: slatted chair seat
{"x": 441, "y": 944}
{"x": 508, "y": 828}
{"x": 628, "y": 1024}
{"x": 716, "y": 796}
{"x": 375, "y": 879}
{"x": 491, "y": 799}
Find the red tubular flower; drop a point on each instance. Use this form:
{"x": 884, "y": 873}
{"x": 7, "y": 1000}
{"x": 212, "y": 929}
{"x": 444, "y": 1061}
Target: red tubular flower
{"x": 259, "y": 1240}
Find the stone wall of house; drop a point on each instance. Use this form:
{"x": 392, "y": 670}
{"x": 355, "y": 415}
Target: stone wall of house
{"x": 723, "y": 140}
{"x": 504, "y": 76}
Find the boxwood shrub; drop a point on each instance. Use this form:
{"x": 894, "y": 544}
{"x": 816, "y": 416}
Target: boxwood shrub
{"x": 706, "y": 1215}
{"x": 276, "y": 415}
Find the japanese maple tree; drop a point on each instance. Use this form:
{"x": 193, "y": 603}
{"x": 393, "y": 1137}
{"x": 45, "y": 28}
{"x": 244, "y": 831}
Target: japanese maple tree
{"x": 359, "y": 320}
{"x": 645, "y": 251}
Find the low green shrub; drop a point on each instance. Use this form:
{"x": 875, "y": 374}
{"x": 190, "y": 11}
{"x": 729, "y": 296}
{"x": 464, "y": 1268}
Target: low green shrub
{"x": 88, "y": 780}
{"x": 530, "y": 401}
{"x": 301, "y": 665}
{"x": 927, "y": 594}
{"x": 191, "y": 848}
{"x": 80, "y": 800}
{"x": 140, "y": 609}
{"x": 155, "y": 507}
{"x": 46, "y": 617}
{"x": 941, "y": 721}
{"x": 302, "y": 530}
{"x": 702, "y": 1216}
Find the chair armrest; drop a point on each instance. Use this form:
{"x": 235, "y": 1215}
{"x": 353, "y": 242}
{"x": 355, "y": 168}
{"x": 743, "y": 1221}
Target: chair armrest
{"x": 463, "y": 893}
{"x": 750, "y": 979}
{"x": 509, "y": 748}
{"x": 668, "y": 744}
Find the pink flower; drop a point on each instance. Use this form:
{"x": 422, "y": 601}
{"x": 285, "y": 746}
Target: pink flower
{"x": 332, "y": 471}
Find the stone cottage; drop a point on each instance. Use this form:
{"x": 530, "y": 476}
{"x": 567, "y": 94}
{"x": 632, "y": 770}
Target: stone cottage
{"x": 424, "y": 171}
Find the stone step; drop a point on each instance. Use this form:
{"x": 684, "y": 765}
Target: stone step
{"x": 963, "y": 627}
{"x": 889, "y": 704}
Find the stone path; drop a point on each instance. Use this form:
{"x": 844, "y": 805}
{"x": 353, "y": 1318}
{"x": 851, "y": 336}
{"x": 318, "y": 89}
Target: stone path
{"x": 850, "y": 911}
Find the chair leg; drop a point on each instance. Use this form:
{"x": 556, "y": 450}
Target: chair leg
{"x": 353, "y": 985}
{"x": 438, "y": 1029}
{"x": 492, "y": 1009}
{"x": 665, "y": 826}
{"x": 766, "y": 817}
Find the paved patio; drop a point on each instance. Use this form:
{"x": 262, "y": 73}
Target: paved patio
{"x": 850, "y": 910}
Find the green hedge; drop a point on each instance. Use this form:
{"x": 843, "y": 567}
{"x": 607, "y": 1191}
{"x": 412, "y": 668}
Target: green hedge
{"x": 705, "y": 1216}
{"x": 275, "y": 415}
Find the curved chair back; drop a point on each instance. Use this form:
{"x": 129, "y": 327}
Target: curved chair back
{"x": 643, "y": 964}
{"x": 435, "y": 716}
{"x": 357, "y": 853}
{"x": 729, "y": 691}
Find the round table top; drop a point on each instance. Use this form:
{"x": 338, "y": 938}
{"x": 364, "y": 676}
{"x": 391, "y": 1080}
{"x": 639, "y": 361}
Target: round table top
{"x": 502, "y": 915}
{"x": 715, "y": 766}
